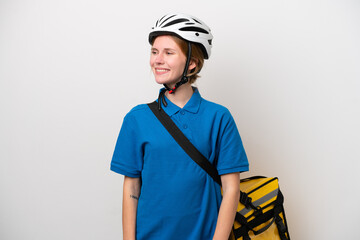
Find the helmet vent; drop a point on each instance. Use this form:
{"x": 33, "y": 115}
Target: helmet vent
{"x": 180, "y": 20}
{"x": 197, "y": 21}
{"x": 194, "y": 29}
{"x": 162, "y": 22}
{"x": 163, "y": 18}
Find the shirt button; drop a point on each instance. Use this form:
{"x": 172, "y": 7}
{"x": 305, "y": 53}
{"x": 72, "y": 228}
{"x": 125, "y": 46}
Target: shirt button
{"x": 182, "y": 112}
{"x": 185, "y": 126}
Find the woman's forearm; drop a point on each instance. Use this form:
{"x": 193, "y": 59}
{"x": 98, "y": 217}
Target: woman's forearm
{"x": 131, "y": 193}
{"x": 231, "y": 196}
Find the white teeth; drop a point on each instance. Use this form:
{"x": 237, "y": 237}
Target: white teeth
{"x": 161, "y": 70}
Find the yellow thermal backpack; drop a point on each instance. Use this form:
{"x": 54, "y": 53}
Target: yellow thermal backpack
{"x": 260, "y": 213}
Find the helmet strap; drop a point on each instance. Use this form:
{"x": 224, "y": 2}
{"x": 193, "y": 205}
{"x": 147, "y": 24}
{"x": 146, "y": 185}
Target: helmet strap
{"x": 184, "y": 78}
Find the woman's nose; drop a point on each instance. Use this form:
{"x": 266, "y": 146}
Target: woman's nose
{"x": 159, "y": 59}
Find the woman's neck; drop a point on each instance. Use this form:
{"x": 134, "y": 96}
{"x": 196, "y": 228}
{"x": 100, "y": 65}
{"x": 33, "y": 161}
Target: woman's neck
{"x": 181, "y": 96}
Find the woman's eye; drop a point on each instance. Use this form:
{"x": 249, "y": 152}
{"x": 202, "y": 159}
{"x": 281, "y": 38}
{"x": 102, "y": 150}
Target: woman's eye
{"x": 169, "y": 53}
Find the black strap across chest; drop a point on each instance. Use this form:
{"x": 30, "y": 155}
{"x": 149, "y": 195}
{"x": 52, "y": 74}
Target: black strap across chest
{"x": 184, "y": 142}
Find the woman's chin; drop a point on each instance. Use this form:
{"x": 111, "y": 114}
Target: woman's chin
{"x": 162, "y": 82}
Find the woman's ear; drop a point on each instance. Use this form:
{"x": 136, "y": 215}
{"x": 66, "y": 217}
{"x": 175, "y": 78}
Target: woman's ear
{"x": 193, "y": 63}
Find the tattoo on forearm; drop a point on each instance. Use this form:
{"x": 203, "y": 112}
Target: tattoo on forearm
{"x": 134, "y": 197}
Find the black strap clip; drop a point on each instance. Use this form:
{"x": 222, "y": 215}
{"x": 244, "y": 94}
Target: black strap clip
{"x": 245, "y": 200}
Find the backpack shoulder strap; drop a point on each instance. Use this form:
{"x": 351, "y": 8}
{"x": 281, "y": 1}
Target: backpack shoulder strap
{"x": 184, "y": 142}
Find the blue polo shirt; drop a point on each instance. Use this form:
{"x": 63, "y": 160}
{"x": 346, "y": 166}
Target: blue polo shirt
{"x": 178, "y": 199}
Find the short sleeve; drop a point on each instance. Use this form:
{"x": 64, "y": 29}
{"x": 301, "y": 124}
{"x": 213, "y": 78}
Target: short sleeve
{"x": 128, "y": 154}
{"x": 231, "y": 152}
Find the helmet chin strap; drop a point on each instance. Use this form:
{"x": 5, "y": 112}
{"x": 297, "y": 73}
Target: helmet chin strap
{"x": 184, "y": 79}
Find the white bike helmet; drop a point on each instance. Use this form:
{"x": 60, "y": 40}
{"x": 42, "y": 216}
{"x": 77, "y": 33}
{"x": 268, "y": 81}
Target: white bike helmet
{"x": 186, "y": 27}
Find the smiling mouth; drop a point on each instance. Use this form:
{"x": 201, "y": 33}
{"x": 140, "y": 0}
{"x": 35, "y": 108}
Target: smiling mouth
{"x": 161, "y": 70}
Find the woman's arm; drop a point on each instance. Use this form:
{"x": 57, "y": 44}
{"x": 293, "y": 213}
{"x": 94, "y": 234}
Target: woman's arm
{"x": 231, "y": 194}
{"x": 131, "y": 193}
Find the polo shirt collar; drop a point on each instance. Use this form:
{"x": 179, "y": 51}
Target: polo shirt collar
{"x": 191, "y": 106}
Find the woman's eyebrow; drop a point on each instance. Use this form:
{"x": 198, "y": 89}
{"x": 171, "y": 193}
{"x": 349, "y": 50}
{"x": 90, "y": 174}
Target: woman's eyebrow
{"x": 166, "y": 49}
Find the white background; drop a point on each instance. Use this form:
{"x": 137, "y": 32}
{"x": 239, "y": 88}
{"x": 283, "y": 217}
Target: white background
{"x": 71, "y": 69}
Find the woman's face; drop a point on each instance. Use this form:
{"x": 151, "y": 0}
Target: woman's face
{"x": 167, "y": 61}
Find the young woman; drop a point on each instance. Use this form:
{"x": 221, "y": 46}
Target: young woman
{"x": 166, "y": 195}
